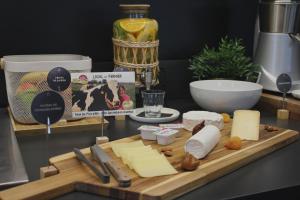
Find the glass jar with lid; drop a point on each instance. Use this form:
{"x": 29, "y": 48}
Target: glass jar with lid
{"x": 136, "y": 43}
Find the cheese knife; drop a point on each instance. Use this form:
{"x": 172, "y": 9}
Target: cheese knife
{"x": 104, "y": 159}
{"x": 97, "y": 158}
{"x": 101, "y": 173}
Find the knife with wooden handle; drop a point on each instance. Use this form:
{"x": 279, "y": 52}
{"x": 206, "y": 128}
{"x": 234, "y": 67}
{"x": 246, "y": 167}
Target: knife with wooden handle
{"x": 122, "y": 177}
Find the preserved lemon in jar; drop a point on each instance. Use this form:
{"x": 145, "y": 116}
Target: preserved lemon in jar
{"x": 136, "y": 43}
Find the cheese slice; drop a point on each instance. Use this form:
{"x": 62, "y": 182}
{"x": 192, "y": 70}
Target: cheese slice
{"x": 117, "y": 146}
{"x": 125, "y": 153}
{"x": 137, "y": 156}
{"x": 153, "y": 166}
{"x": 246, "y": 124}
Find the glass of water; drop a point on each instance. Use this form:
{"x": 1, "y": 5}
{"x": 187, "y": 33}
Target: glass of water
{"x": 153, "y": 101}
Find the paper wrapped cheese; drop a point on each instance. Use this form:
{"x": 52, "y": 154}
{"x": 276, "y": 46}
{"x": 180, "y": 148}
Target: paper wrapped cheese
{"x": 200, "y": 144}
{"x": 193, "y": 118}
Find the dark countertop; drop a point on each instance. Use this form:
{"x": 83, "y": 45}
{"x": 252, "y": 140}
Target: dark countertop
{"x": 273, "y": 175}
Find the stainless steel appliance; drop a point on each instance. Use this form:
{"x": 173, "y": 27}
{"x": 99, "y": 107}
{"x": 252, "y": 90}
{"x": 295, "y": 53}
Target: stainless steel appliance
{"x": 277, "y": 41}
{"x": 12, "y": 169}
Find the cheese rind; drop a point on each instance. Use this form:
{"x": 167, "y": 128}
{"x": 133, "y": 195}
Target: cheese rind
{"x": 246, "y": 124}
{"x": 193, "y": 118}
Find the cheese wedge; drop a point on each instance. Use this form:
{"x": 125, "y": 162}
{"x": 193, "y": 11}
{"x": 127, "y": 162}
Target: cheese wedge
{"x": 117, "y": 146}
{"x": 246, "y": 124}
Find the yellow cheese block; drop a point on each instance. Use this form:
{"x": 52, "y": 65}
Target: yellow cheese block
{"x": 117, "y": 146}
{"x": 246, "y": 124}
{"x": 153, "y": 166}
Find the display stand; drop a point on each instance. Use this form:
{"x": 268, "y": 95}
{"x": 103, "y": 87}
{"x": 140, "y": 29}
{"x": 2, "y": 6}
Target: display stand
{"x": 284, "y": 84}
{"x": 62, "y": 125}
{"x": 48, "y": 171}
{"x": 102, "y": 139}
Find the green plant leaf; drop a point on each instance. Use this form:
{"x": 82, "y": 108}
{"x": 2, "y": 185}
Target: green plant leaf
{"x": 228, "y": 61}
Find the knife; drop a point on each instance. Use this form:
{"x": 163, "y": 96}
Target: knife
{"x": 104, "y": 159}
{"x": 98, "y": 171}
{"x": 97, "y": 158}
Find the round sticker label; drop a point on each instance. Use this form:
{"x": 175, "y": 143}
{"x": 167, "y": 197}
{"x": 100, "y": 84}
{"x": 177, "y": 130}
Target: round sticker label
{"x": 284, "y": 83}
{"x": 48, "y": 105}
{"x": 59, "y": 79}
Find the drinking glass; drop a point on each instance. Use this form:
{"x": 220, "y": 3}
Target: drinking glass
{"x": 153, "y": 101}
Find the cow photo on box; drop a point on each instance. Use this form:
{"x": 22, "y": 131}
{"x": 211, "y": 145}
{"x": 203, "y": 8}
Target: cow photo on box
{"x": 113, "y": 92}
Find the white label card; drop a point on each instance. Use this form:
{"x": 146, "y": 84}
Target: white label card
{"x": 171, "y": 126}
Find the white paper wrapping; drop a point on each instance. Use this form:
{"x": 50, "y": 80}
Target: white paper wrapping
{"x": 200, "y": 144}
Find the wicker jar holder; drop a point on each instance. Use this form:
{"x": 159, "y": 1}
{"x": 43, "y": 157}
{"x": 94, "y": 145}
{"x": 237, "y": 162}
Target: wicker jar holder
{"x": 138, "y": 57}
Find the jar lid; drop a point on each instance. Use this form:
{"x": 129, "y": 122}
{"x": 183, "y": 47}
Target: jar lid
{"x": 134, "y": 6}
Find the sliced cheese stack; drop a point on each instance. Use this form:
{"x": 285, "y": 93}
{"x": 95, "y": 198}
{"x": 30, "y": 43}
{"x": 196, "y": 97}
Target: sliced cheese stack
{"x": 246, "y": 124}
{"x": 145, "y": 161}
{"x": 200, "y": 144}
{"x": 193, "y": 118}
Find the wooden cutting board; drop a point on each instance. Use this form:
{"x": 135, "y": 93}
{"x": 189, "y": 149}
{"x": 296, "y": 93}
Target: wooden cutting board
{"x": 74, "y": 176}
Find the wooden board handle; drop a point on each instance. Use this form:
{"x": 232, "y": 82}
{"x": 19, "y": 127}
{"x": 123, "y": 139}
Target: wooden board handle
{"x": 123, "y": 179}
{"x": 46, "y": 188}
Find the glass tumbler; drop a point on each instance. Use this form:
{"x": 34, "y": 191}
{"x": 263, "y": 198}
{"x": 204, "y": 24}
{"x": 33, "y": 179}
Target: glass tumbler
{"x": 153, "y": 101}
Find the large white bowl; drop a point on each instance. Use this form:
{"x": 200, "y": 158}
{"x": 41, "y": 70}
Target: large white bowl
{"x": 225, "y": 95}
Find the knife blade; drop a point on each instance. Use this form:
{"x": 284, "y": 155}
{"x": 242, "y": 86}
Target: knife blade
{"x": 122, "y": 177}
{"x": 100, "y": 173}
{"x": 97, "y": 158}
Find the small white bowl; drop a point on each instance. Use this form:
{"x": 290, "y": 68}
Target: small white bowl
{"x": 225, "y": 95}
